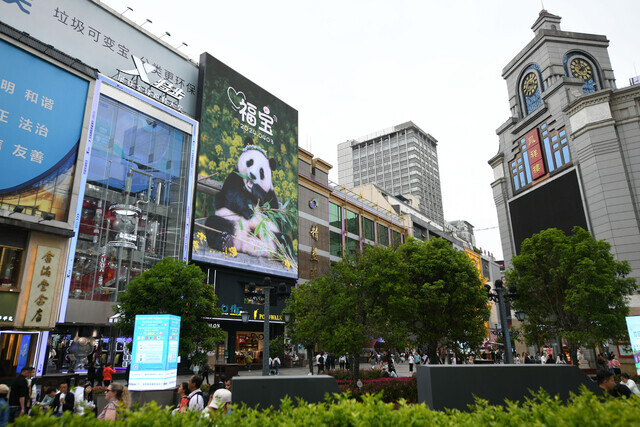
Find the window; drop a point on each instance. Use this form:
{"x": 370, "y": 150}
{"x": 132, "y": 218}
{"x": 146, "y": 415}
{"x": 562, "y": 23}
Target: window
{"x": 396, "y": 240}
{"x": 383, "y": 235}
{"x": 351, "y": 220}
{"x": 335, "y": 215}
{"x": 369, "y": 229}
{"x": 335, "y": 242}
{"x": 353, "y": 246}
{"x": 9, "y": 265}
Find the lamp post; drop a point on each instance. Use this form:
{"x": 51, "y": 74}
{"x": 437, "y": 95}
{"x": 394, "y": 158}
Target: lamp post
{"x": 266, "y": 287}
{"x": 499, "y": 296}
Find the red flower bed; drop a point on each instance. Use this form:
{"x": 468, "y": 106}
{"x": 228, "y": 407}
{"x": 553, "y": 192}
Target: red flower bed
{"x": 393, "y": 389}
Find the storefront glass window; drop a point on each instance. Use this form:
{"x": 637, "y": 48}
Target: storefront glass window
{"x": 352, "y": 223}
{"x": 9, "y": 265}
{"x": 335, "y": 240}
{"x": 335, "y": 215}
{"x": 134, "y": 207}
{"x": 369, "y": 229}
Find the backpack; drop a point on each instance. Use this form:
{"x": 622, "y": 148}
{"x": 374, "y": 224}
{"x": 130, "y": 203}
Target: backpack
{"x": 199, "y": 393}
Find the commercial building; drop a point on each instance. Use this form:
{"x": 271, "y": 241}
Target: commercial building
{"x": 569, "y": 154}
{"x": 401, "y": 160}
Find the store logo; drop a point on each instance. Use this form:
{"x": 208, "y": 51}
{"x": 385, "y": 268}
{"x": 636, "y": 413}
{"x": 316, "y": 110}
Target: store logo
{"x": 162, "y": 90}
{"x": 20, "y": 4}
{"x": 140, "y": 70}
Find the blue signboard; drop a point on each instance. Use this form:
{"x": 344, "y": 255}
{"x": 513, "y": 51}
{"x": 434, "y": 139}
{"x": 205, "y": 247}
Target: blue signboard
{"x": 633, "y": 326}
{"x": 24, "y": 352}
{"x": 154, "y": 362}
{"x": 41, "y": 113}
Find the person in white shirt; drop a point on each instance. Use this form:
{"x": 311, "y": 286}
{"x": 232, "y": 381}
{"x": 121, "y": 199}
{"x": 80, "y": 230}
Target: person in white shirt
{"x": 196, "y": 398}
{"x": 624, "y": 379}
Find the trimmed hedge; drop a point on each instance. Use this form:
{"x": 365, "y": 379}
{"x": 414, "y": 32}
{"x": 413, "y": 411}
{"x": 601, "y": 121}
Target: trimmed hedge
{"x": 365, "y": 374}
{"x": 583, "y": 410}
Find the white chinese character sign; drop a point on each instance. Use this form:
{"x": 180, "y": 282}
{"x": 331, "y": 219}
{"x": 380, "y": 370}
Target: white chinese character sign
{"x": 247, "y": 192}
{"x": 41, "y": 113}
{"x": 42, "y": 291}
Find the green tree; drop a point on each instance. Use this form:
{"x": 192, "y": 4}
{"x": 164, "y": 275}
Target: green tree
{"x": 174, "y": 287}
{"x": 363, "y": 297}
{"x": 570, "y": 287}
{"x": 451, "y": 304}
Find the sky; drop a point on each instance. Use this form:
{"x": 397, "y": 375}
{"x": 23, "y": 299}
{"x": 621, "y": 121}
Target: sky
{"x": 353, "y": 67}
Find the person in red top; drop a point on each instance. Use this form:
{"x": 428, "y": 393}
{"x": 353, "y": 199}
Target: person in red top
{"x": 107, "y": 374}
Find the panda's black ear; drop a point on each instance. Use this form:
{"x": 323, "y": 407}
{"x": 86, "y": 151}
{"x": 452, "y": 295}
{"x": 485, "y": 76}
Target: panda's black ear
{"x": 248, "y": 140}
{"x": 272, "y": 164}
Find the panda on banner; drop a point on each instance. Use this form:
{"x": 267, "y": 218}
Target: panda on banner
{"x": 248, "y": 187}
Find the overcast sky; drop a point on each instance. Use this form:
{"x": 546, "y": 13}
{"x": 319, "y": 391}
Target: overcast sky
{"x": 351, "y": 68}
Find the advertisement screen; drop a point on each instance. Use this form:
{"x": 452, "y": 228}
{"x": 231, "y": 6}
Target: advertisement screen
{"x": 246, "y": 205}
{"x": 41, "y": 114}
{"x": 633, "y": 326}
{"x": 154, "y": 362}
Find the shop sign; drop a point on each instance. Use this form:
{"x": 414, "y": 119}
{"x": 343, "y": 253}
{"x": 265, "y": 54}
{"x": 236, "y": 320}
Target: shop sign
{"x": 43, "y": 286}
{"x": 102, "y": 39}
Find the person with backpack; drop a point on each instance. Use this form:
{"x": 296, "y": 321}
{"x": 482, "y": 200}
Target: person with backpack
{"x": 196, "y": 396}
{"x": 276, "y": 365}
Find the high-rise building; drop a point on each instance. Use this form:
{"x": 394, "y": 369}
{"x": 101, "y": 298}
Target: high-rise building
{"x": 569, "y": 154}
{"x": 401, "y": 160}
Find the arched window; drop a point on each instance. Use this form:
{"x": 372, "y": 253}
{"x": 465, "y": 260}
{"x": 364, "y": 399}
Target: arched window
{"x": 531, "y": 88}
{"x": 581, "y": 66}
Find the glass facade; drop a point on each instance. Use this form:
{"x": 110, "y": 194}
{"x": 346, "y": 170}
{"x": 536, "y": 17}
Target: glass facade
{"x": 134, "y": 205}
{"x": 335, "y": 241}
{"x": 396, "y": 240}
{"x": 383, "y": 235}
{"x": 369, "y": 229}
{"x": 353, "y": 246}
{"x": 335, "y": 215}
{"x": 352, "y": 222}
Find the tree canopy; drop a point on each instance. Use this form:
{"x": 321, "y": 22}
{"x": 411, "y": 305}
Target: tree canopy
{"x": 452, "y": 305}
{"x": 362, "y": 298}
{"x": 570, "y": 287}
{"x": 174, "y": 287}
{"x": 425, "y": 291}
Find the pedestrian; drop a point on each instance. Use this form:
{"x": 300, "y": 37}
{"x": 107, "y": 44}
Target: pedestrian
{"x": 117, "y": 396}
{"x": 615, "y": 365}
{"x": 249, "y": 360}
{"x": 99, "y": 377}
{"x": 631, "y": 384}
{"x": 64, "y": 401}
{"x": 4, "y": 405}
{"x": 19, "y": 401}
{"x": 276, "y": 365}
{"x": 196, "y": 397}
{"x": 220, "y": 401}
{"x": 183, "y": 395}
{"x": 342, "y": 361}
{"x": 608, "y": 383}
{"x": 91, "y": 372}
{"x": 205, "y": 372}
{"x": 47, "y": 398}
{"x": 107, "y": 374}
{"x": 411, "y": 362}
{"x": 84, "y": 399}
{"x": 320, "y": 363}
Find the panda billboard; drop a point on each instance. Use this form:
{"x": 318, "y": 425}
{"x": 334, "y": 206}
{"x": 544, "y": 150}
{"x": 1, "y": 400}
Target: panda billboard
{"x": 246, "y": 204}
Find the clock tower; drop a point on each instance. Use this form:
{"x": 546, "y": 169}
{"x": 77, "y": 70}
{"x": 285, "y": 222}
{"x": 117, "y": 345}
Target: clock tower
{"x": 569, "y": 154}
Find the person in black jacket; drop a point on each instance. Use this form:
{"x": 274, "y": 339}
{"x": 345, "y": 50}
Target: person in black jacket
{"x": 64, "y": 401}
{"x": 20, "y": 396}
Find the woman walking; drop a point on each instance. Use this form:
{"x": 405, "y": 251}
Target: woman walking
{"x": 118, "y": 397}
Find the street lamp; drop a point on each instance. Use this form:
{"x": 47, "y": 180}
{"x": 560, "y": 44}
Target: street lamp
{"x": 266, "y": 287}
{"x": 499, "y": 296}
{"x": 520, "y": 315}
{"x": 245, "y": 316}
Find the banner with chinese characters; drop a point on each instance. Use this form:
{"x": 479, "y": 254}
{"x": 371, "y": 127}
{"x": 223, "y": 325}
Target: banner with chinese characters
{"x": 246, "y": 209}
{"x": 535, "y": 154}
{"x": 41, "y": 113}
{"x": 42, "y": 293}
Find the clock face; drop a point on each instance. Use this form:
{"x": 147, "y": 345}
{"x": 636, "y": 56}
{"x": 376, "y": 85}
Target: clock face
{"x": 530, "y": 84}
{"x": 581, "y": 69}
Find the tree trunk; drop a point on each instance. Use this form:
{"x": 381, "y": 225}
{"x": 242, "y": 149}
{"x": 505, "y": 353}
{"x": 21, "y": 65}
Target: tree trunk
{"x": 355, "y": 366}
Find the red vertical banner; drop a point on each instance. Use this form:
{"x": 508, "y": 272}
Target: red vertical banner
{"x": 535, "y": 154}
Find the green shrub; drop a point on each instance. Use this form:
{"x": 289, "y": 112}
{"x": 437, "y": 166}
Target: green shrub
{"x": 365, "y": 374}
{"x": 391, "y": 389}
{"x": 585, "y": 409}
